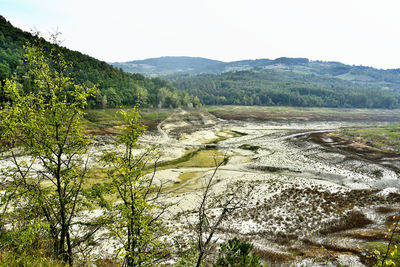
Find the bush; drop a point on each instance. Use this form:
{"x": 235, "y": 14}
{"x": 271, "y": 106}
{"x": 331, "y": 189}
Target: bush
{"x": 237, "y": 253}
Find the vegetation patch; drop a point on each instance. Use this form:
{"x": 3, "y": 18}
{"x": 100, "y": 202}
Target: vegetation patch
{"x": 272, "y": 256}
{"x": 249, "y": 147}
{"x": 385, "y": 209}
{"x": 200, "y": 158}
{"x": 99, "y": 121}
{"x": 355, "y": 219}
{"x": 269, "y": 168}
{"x": 386, "y": 138}
{"x": 185, "y": 182}
{"x": 280, "y": 113}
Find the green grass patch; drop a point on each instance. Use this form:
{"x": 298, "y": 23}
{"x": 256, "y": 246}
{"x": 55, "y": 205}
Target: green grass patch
{"x": 200, "y": 158}
{"x": 155, "y": 114}
{"x": 309, "y": 112}
{"x": 97, "y": 119}
{"x": 386, "y": 138}
{"x": 378, "y": 251}
{"x": 203, "y": 159}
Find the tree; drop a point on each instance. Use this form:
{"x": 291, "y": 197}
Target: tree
{"x": 212, "y": 211}
{"x": 196, "y": 102}
{"x": 237, "y": 253}
{"x": 47, "y": 128}
{"x": 113, "y": 99}
{"x": 136, "y": 216}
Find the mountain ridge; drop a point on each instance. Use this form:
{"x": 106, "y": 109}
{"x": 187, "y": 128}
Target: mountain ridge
{"x": 191, "y": 65}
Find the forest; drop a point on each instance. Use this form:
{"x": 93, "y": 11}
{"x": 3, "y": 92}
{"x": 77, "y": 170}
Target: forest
{"x": 284, "y": 88}
{"x": 115, "y": 87}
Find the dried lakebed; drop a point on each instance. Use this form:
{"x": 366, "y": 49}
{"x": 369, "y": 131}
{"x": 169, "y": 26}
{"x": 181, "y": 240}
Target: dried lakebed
{"x": 313, "y": 199}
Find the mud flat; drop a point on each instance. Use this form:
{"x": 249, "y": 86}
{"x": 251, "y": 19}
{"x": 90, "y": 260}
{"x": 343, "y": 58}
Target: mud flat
{"x": 313, "y": 198}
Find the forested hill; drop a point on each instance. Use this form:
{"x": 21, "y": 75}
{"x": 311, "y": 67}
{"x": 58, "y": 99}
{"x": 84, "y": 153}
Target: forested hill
{"x": 191, "y": 65}
{"x": 168, "y": 65}
{"x": 283, "y": 81}
{"x": 117, "y": 87}
{"x": 288, "y": 88}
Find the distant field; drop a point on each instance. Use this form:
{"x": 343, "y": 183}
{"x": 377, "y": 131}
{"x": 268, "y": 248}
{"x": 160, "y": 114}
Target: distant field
{"x": 264, "y": 113}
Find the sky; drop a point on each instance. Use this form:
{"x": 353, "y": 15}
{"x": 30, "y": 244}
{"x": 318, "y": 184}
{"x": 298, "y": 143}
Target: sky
{"x": 355, "y": 32}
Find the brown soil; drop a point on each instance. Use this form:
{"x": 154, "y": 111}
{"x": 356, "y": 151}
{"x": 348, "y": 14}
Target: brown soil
{"x": 355, "y": 149}
{"x": 354, "y": 219}
{"x": 287, "y": 116}
{"x": 367, "y": 235}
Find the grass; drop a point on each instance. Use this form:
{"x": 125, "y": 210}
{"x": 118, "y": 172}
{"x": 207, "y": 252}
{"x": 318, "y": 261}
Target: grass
{"x": 275, "y": 109}
{"x": 26, "y": 247}
{"x": 380, "y": 248}
{"x": 200, "y": 158}
{"x": 27, "y": 258}
{"x": 300, "y": 113}
{"x": 386, "y": 138}
{"x": 99, "y": 119}
{"x": 203, "y": 159}
{"x": 285, "y": 109}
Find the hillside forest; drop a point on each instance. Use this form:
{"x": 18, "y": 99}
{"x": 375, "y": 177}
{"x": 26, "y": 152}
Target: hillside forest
{"x": 115, "y": 86}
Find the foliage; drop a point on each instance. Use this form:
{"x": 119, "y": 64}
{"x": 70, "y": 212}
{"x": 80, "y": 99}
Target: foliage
{"x": 136, "y": 216}
{"x": 393, "y": 258}
{"x": 388, "y": 254}
{"x": 273, "y": 87}
{"x": 45, "y": 187}
{"x": 26, "y": 247}
{"x": 385, "y": 79}
{"x": 237, "y": 253}
{"x": 116, "y": 87}
{"x": 385, "y": 137}
{"x": 187, "y": 253}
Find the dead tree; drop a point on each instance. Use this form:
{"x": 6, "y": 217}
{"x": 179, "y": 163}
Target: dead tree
{"x": 206, "y": 226}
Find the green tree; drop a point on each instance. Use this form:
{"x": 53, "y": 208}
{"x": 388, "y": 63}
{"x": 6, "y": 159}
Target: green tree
{"x": 196, "y": 102}
{"x": 113, "y": 99}
{"x": 237, "y": 253}
{"x": 137, "y": 212}
{"x": 47, "y": 128}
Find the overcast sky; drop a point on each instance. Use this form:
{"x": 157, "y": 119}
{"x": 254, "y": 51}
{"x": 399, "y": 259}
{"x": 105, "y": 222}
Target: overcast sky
{"x": 360, "y": 32}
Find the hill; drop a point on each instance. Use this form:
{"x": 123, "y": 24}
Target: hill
{"x": 168, "y": 65}
{"x": 383, "y": 79}
{"x": 283, "y": 81}
{"x": 117, "y": 87}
